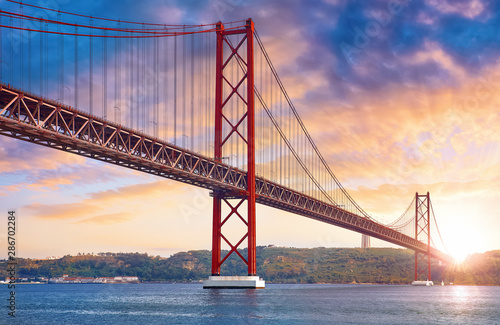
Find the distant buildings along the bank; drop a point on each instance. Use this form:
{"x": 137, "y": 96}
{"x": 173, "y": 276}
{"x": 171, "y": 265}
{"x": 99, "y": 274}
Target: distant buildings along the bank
{"x": 78, "y": 279}
{"x": 117, "y": 279}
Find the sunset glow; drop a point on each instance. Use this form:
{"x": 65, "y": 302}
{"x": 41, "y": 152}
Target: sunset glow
{"x": 398, "y": 100}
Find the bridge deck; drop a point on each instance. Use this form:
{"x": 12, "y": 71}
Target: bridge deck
{"x": 46, "y": 122}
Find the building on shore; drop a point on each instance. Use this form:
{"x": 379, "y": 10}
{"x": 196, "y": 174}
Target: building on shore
{"x": 117, "y": 279}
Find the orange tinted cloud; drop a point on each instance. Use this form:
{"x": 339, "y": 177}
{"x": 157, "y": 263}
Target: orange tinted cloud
{"x": 409, "y": 134}
{"x": 108, "y": 219}
{"x": 61, "y": 211}
{"x": 19, "y": 155}
{"x": 124, "y": 199}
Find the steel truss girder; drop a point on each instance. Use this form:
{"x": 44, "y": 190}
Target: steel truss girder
{"x": 277, "y": 196}
{"x": 31, "y": 118}
{"x": 48, "y": 123}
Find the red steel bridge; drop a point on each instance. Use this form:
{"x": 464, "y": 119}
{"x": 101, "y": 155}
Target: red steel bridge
{"x": 198, "y": 104}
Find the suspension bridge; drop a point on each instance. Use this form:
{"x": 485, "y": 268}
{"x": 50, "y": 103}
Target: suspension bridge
{"x": 198, "y": 104}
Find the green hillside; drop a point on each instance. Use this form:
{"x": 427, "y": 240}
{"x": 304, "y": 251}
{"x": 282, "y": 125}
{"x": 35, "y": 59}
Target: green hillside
{"x": 274, "y": 264}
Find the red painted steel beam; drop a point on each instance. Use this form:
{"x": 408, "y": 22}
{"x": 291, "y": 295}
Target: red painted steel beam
{"x": 416, "y": 235}
{"x": 217, "y": 200}
{"x": 252, "y": 246}
{"x": 428, "y": 236}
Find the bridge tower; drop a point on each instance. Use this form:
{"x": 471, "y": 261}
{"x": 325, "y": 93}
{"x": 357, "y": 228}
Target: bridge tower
{"x": 365, "y": 241}
{"x": 423, "y": 233}
{"x": 239, "y": 90}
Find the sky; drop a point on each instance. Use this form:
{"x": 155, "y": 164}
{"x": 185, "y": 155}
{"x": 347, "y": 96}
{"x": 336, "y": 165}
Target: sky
{"x": 400, "y": 97}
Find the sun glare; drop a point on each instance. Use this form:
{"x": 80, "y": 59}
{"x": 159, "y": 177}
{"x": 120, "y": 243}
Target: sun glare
{"x": 462, "y": 243}
{"x": 459, "y": 256}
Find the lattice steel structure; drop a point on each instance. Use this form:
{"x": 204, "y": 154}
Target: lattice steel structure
{"x": 241, "y": 90}
{"x": 423, "y": 233}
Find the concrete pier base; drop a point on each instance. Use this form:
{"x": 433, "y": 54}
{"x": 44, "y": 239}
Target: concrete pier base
{"x": 422, "y": 283}
{"x": 234, "y": 282}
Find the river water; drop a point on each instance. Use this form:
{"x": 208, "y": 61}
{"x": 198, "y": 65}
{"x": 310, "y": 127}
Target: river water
{"x": 277, "y": 304}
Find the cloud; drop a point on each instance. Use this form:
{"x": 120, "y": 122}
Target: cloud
{"x": 466, "y": 8}
{"x": 157, "y": 188}
{"x": 410, "y": 133}
{"x": 433, "y": 55}
{"x": 65, "y": 175}
{"x": 372, "y": 58}
{"x": 390, "y": 200}
{"x": 62, "y": 210}
{"x": 9, "y": 189}
{"x": 53, "y": 183}
{"x": 20, "y": 155}
{"x": 108, "y": 219}
{"x": 118, "y": 203}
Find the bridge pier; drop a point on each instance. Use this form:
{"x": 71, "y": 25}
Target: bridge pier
{"x": 234, "y": 282}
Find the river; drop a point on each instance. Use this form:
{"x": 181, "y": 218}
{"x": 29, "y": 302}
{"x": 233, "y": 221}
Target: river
{"x": 277, "y": 304}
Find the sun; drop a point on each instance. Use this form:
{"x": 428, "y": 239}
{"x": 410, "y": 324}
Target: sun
{"x": 459, "y": 255}
{"x": 461, "y": 242}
